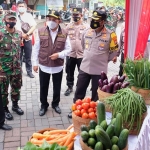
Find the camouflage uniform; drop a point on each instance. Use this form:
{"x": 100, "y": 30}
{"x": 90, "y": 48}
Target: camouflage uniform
{"x": 10, "y": 64}
{"x": 1, "y": 21}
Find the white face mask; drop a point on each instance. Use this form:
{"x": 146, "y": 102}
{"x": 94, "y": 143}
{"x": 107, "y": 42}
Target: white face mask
{"x": 22, "y": 9}
{"x": 52, "y": 24}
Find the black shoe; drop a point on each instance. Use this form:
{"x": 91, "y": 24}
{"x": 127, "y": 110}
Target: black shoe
{"x": 5, "y": 127}
{"x": 70, "y": 115}
{"x": 68, "y": 91}
{"x": 8, "y": 115}
{"x": 42, "y": 111}
{"x": 30, "y": 75}
{"x": 57, "y": 109}
{"x": 17, "y": 109}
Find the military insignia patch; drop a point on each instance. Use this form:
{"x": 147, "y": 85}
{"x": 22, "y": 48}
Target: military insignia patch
{"x": 95, "y": 13}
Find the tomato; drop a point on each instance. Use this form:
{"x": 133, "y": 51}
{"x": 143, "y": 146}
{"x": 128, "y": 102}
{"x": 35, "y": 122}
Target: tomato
{"x": 87, "y": 100}
{"x": 92, "y": 104}
{"x": 92, "y": 115}
{"x": 85, "y": 116}
{"x": 83, "y": 111}
{"x": 85, "y": 106}
{"x": 79, "y": 102}
{"x": 90, "y": 110}
{"x": 73, "y": 107}
{"x": 95, "y": 109}
{"x": 79, "y": 107}
{"x": 77, "y": 112}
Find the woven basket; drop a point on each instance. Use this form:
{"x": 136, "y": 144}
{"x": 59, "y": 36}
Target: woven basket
{"x": 144, "y": 93}
{"x": 133, "y": 131}
{"x": 102, "y": 95}
{"x": 85, "y": 147}
{"x": 78, "y": 121}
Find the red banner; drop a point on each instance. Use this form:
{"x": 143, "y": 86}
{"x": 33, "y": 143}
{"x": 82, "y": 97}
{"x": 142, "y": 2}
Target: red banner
{"x": 144, "y": 30}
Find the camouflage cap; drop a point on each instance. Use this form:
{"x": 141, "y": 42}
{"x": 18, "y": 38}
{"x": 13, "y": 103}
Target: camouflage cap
{"x": 10, "y": 14}
{"x": 77, "y": 10}
{"x": 54, "y": 13}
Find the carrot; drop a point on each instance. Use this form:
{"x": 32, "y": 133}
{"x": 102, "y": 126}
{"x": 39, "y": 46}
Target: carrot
{"x": 70, "y": 146}
{"x": 58, "y": 131}
{"x": 70, "y": 138}
{"x": 39, "y": 135}
{"x": 70, "y": 127}
{"x": 36, "y": 142}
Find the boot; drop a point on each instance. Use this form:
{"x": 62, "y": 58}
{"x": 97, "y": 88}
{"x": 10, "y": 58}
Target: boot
{"x": 17, "y": 109}
{"x": 8, "y": 115}
{"x": 68, "y": 91}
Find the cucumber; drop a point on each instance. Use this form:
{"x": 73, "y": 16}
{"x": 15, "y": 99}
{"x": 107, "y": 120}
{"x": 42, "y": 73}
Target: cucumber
{"x": 115, "y": 147}
{"x": 110, "y": 130}
{"x": 100, "y": 112}
{"x": 84, "y": 136}
{"x": 92, "y": 124}
{"x": 114, "y": 140}
{"x": 118, "y": 124}
{"x": 102, "y": 136}
{"x": 113, "y": 121}
{"x": 104, "y": 124}
{"x": 84, "y": 128}
{"x": 123, "y": 139}
{"x": 98, "y": 146}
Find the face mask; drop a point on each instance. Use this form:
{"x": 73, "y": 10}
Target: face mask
{"x": 52, "y": 24}
{"x": 76, "y": 19}
{"x": 94, "y": 24}
{"x": 22, "y": 9}
{"x": 11, "y": 24}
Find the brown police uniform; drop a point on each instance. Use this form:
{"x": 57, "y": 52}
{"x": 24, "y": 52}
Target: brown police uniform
{"x": 99, "y": 49}
{"x": 76, "y": 54}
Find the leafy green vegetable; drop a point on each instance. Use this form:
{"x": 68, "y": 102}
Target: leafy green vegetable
{"x": 138, "y": 72}
{"x": 45, "y": 146}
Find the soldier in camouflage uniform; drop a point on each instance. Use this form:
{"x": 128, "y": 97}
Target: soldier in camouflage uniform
{"x": 10, "y": 68}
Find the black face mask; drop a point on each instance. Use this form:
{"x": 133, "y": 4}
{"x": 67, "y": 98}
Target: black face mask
{"x": 76, "y": 19}
{"x": 11, "y": 24}
{"x": 1, "y": 12}
{"x": 94, "y": 24}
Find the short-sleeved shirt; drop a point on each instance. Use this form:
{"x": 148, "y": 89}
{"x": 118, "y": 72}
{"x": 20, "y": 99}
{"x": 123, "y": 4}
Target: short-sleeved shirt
{"x": 27, "y": 18}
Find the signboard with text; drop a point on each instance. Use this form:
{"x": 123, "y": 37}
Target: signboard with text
{"x": 55, "y": 3}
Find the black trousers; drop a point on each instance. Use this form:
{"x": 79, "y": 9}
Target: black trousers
{"x": 2, "y": 113}
{"x": 44, "y": 86}
{"x": 70, "y": 68}
{"x": 121, "y": 64}
{"x": 82, "y": 84}
{"x": 27, "y": 50}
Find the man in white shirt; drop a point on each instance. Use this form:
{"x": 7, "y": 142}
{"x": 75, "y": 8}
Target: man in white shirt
{"x": 26, "y": 48}
{"x": 52, "y": 45}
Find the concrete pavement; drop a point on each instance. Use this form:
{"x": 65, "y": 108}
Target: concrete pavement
{"x": 25, "y": 125}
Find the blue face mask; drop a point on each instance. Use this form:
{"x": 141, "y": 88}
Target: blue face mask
{"x": 22, "y": 9}
{"x": 10, "y": 24}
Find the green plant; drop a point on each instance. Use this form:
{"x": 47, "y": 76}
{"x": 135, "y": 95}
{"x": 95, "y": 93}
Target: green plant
{"x": 45, "y": 146}
{"x": 138, "y": 72}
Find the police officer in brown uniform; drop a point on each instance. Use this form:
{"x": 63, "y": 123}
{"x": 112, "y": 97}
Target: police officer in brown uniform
{"x": 52, "y": 45}
{"x": 100, "y": 46}
{"x": 75, "y": 31}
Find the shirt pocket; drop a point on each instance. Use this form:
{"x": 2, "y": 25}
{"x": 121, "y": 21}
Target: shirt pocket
{"x": 60, "y": 45}
{"x": 44, "y": 41}
{"x": 71, "y": 34}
